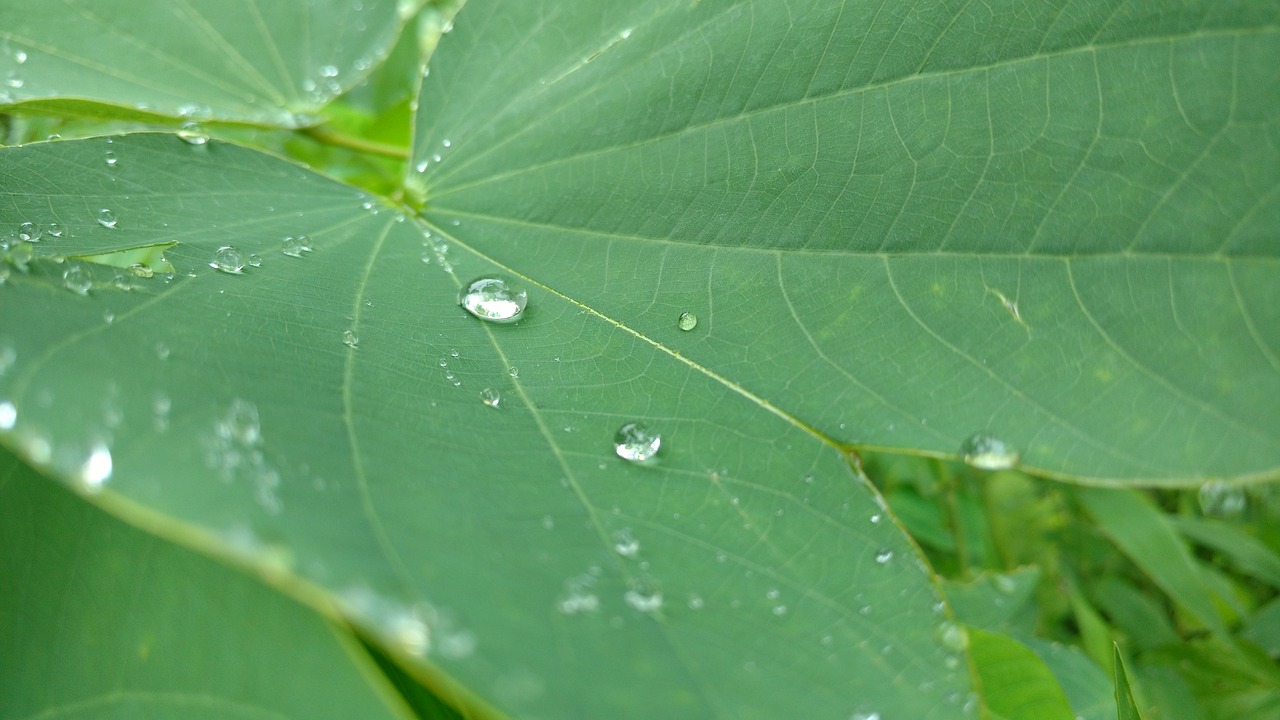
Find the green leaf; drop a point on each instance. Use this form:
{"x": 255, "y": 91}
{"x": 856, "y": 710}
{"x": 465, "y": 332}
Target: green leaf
{"x": 1088, "y": 688}
{"x": 997, "y": 603}
{"x": 901, "y": 224}
{"x": 1127, "y": 708}
{"x": 1227, "y": 681}
{"x": 1015, "y": 682}
{"x": 261, "y": 62}
{"x": 1146, "y": 536}
{"x": 89, "y": 631}
{"x": 506, "y": 551}
{"x": 1250, "y": 555}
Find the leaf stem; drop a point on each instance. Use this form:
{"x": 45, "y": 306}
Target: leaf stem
{"x": 325, "y": 134}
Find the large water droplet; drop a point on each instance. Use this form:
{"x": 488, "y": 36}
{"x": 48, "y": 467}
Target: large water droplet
{"x": 77, "y": 280}
{"x": 106, "y": 218}
{"x": 296, "y": 246}
{"x": 492, "y": 298}
{"x": 625, "y": 543}
{"x": 687, "y": 321}
{"x": 489, "y": 396}
{"x": 192, "y": 133}
{"x": 228, "y": 259}
{"x": 30, "y": 232}
{"x": 988, "y": 452}
{"x": 636, "y": 442}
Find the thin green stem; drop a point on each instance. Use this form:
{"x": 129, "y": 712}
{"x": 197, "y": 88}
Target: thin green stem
{"x": 324, "y": 134}
{"x": 948, "y": 480}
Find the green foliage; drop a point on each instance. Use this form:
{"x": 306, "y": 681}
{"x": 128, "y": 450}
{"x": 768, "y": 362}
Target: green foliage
{"x": 900, "y": 226}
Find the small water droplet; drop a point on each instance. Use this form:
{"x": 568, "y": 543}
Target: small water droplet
{"x": 696, "y": 602}
{"x": 952, "y": 636}
{"x": 865, "y": 716}
{"x": 329, "y": 71}
{"x": 644, "y": 596}
{"x": 55, "y": 230}
{"x": 454, "y": 353}
{"x": 77, "y": 280}
{"x": 255, "y": 260}
{"x": 1220, "y": 499}
{"x": 988, "y": 452}
{"x": 491, "y": 397}
{"x": 779, "y": 610}
{"x": 108, "y": 317}
{"x": 625, "y": 543}
{"x": 350, "y": 339}
{"x": 635, "y": 442}
{"x": 579, "y": 595}
{"x": 96, "y": 469}
{"x": 492, "y": 298}
{"x": 162, "y": 351}
{"x": 8, "y": 415}
{"x": 228, "y": 259}
{"x": 883, "y": 556}
{"x": 106, "y": 218}
{"x": 30, "y": 232}
{"x": 20, "y": 56}
{"x": 875, "y": 518}
{"x": 140, "y": 270}
{"x": 296, "y": 246}
{"x": 111, "y": 159}
{"x": 687, "y": 321}
{"x": 192, "y": 133}
{"x": 513, "y": 371}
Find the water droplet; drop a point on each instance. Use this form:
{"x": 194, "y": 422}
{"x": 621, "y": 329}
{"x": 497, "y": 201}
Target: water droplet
{"x": 492, "y": 298}
{"x": 625, "y": 543}
{"x": 20, "y": 56}
{"x": 228, "y": 259}
{"x": 96, "y": 469}
{"x": 883, "y": 556}
{"x": 875, "y": 519}
{"x": 636, "y": 443}
{"x": 579, "y": 596}
{"x": 140, "y": 270}
{"x": 489, "y": 396}
{"x": 779, "y": 610}
{"x": 644, "y": 596}
{"x": 8, "y": 415}
{"x": 454, "y": 353}
{"x": 241, "y": 423}
{"x": 55, "y": 230}
{"x": 687, "y": 321}
{"x": 108, "y": 317}
{"x": 952, "y": 636}
{"x": 192, "y": 133}
{"x": 296, "y": 246}
{"x": 329, "y": 71}
{"x": 77, "y": 280}
{"x": 255, "y": 260}
{"x": 111, "y": 159}
{"x": 1219, "y": 499}
{"x": 350, "y": 339}
{"x": 988, "y": 452}
{"x": 513, "y": 371}
{"x": 162, "y": 351}
{"x": 865, "y": 716}
{"x": 106, "y": 218}
{"x": 30, "y": 232}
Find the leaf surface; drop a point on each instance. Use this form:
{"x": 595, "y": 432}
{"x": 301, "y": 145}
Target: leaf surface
{"x": 748, "y": 571}
{"x": 903, "y": 224}
{"x": 261, "y": 62}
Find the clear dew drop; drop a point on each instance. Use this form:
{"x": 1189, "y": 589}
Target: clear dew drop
{"x": 490, "y": 396}
{"x": 140, "y": 270}
{"x": 988, "y": 452}
{"x": 30, "y": 232}
{"x": 96, "y": 469}
{"x": 55, "y": 230}
{"x": 255, "y": 260}
{"x": 687, "y": 321}
{"x": 625, "y": 543}
{"x": 106, "y": 218}
{"x": 350, "y": 339}
{"x": 952, "y": 636}
{"x": 112, "y": 160}
{"x": 644, "y": 597}
{"x": 77, "y": 280}
{"x": 494, "y": 299}
{"x": 228, "y": 259}
{"x": 192, "y": 133}
{"x": 883, "y": 556}
{"x": 296, "y": 246}
{"x": 513, "y": 371}
{"x": 1220, "y": 499}
{"x": 8, "y": 415}
{"x": 636, "y": 442}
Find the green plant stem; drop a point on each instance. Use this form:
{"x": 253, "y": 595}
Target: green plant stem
{"x": 948, "y": 481}
{"x": 323, "y": 134}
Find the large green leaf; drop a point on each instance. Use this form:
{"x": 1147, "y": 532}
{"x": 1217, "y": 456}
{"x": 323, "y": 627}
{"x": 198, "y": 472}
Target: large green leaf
{"x": 261, "y": 62}
{"x": 902, "y": 223}
{"x": 748, "y": 572}
{"x": 98, "y": 620}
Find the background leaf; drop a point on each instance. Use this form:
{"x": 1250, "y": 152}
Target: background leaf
{"x": 100, "y": 620}
{"x": 261, "y": 62}
{"x": 1127, "y": 709}
{"x": 1015, "y": 682}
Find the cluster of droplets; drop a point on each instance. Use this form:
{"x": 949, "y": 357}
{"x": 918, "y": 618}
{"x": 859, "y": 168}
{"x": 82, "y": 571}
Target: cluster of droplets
{"x": 434, "y": 247}
{"x": 234, "y": 451}
{"x": 433, "y": 158}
